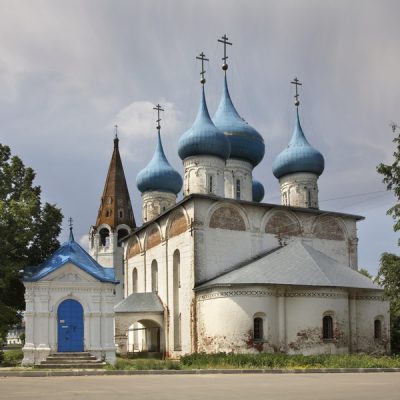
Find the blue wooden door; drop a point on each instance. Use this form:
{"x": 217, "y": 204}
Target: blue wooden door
{"x": 70, "y": 326}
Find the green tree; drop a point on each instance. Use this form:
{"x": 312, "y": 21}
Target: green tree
{"x": 389, "y": 270}
{"x": 365, "y": 272}
{"x": 28, "y": 233}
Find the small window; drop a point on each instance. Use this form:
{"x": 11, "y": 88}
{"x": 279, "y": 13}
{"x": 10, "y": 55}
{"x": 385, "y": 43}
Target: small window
{"x": 258, "y": 329}
{"x": 327, "y": 327}
{"x": 308, "y": 198}
{"x": 154, "y": 276}
{"x": 210, "y": 184}
{"x": 104, "y": 237}
{"x": 121, "y": 214}
{"x": 237, "y": 189}
{"x": 378, "y": 329}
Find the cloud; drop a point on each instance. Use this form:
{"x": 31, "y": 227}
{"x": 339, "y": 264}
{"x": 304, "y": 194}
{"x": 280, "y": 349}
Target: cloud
{"x": 137, "y": 128}
{"x": 84, "y": 241}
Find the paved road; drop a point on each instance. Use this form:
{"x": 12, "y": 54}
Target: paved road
{"x": 370, "y": 386}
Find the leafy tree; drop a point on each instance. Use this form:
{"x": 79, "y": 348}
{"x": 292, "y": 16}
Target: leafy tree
{"x": 365, "y": 272}
{"x": 389, "y": 270}
{"x": 28, "y": 233}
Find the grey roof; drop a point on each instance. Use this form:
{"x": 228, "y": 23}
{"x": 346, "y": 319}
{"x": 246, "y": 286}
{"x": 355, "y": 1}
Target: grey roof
{"x": 295, "y": 264}
{"x": 140, "y": 302}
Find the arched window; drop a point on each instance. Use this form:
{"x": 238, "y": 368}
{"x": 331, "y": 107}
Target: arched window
{"x": 327, "y": 327}
{"x": 258, "y": 329}
{"x": 176, "y": 287}
{"x": 121, "y": 234}
{"x": 154, "y": 276}
{"x": 210, "y": 184}
{"x": 378, "y": 329}
{"x": 104, "y": 237}
{"x": 134, "y": 281}
{"x": 237, "y": 189}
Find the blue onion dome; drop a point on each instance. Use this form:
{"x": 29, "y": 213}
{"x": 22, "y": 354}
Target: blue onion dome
{"x": 258, "y": 191}
{"x": 203, "y": 138}
{"x": 246, "y": 143}
{"x": 158, "y": 175}
{"x": 299, "y": 156}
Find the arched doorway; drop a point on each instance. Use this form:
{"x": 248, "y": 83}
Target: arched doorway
{"x": 70, "y": 326}
{"x": 144, "y": 336}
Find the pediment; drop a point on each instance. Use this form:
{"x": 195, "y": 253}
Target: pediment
{"x": 69, "y": 273}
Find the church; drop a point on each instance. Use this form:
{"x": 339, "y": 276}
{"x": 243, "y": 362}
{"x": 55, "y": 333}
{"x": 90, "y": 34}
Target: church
{"x": 218, "y": 271}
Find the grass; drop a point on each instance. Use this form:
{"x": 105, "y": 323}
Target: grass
{"x": 283, "y": 361}
{"x": 12, "y": 358}
{"x": 143, "y": 364}
{"x": 260, "y": 361}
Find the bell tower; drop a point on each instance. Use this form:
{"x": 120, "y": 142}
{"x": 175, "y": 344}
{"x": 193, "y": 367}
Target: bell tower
{"x": 115, "y": 220}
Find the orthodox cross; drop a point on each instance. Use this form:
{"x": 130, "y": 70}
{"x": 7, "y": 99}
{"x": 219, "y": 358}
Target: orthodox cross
{"x": 116, "y": 131}
{"x": 203, "y": 58}
{"x": 224, "y": 40}
{"x": 296, "y": 96}
{"x": 70, "y": 223}
{"x": 158, "y": 108}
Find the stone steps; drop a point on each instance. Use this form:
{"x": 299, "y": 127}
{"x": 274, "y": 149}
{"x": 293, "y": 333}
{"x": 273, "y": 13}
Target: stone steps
{"x": 72, "y": 360}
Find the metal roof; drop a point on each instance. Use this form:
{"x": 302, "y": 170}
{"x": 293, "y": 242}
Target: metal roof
{"x": 158, "y": 175}
{"x": 295, "y": 264}
{"x": 299, "y": 155}
{"x": 70, "y": 252}
{"x": 246, "y": 143}
{"x": 140, "y": 302}
{"x": 258, "y": 191}
{"x": 203, "y": 138}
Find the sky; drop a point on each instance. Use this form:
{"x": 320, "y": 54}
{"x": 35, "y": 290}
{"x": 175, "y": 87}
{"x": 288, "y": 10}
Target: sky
{"x": 71, "y": 70}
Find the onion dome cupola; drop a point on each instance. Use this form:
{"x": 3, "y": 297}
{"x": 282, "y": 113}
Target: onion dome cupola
{"x": 203, "y": 138}
{"x": 158, "y": 175}
{"x": 257, "y": 191}
{"x": 299, "y": 155}
{"x": 204, "y": 150}
{"x": 158, "y": 182}
{"x": 246, "y": 143}
{"x": 298, "y": 167}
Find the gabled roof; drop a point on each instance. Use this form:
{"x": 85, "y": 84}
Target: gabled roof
{"x": 140, "y": 302}
{"x": 295, "y": 264}
{"x": 70, "y": 252}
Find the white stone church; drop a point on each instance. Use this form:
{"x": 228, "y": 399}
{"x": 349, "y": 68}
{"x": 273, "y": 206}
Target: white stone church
{"x": 218, "y": 271}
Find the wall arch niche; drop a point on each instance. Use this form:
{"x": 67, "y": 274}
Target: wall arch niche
{"x": 153, "y": 237}
{"x": 329, "y": 228}
{"x": 227, "y": 217}
{"x": 178, "y": 224}
{"x": 282, "y": 223}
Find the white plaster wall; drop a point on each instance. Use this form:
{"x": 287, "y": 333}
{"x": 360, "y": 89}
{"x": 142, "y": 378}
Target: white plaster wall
{"x": 163, "y": 254}
{"x": 155, "y": 203}
{"x": 242, "y": 170}
{"x": 304, "y": 310}
{"x": 368, "y": 307}
{"x": 196, "y": 172}
{"x": 225, "y": 319}
{"x": 293, "y": 319}
{"x": 299, "y": 190}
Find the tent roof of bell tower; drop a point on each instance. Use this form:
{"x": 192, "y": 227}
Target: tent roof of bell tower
{"x": 115, "y": 206}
